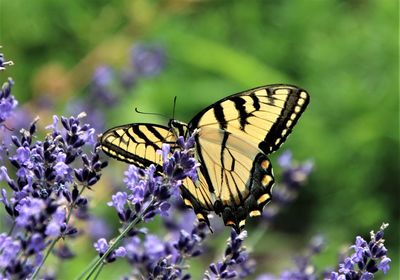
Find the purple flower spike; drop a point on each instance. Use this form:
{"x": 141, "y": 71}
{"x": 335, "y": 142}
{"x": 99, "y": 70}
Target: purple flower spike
{"x": 57, "y": 224}
{"x": 45, "y": 188}
{"x": 155, "y": 258}
{"x": 131, "y": 177}
{"x": 4, "y": 63}
{"x": 285, "y": 160}
{"x": 294, "y": 176}
{"x": 103, "y": 76}
{"x": 9, "y": 249}
{"x": 29, "y": 209}
{"x": 22, "y": 155}
{"x": 368, "y": 258}
{"x": 236, "y": 261}
{"x": 147, "y": 190}
{"x": 7, "y": 101}
{"x": 146, "y": 196}
{"x": 148, "y": 60}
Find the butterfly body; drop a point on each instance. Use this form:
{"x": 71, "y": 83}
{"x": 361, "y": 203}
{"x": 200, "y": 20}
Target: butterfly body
{"x": 233, "y": 138}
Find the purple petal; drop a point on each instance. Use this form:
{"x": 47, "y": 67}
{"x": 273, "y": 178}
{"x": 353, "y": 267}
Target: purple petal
{"x": 101, "y": 245}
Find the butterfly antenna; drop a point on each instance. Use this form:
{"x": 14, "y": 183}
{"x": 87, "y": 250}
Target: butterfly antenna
{"x": 173, "y": 108}
{"x": 148, "y": 113}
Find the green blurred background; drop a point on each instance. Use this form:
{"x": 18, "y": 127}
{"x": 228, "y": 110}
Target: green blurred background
{"x": 344, "y": 52}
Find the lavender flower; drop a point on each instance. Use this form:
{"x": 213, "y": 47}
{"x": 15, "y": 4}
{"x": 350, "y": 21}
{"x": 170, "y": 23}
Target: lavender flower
{"x": 101, "y": 247}
{"x": 147, "y": 194}
{"x": 109, "y": 84}
{"x": 368, "y": 258}
{"x": 9, "y": 249}
{"x": 57, "y": 224}
{"x": 102, "y": 86}
{"x": 4, "y": 63}
{"x": 153, "y": 257}
{"x": 7, "y": 101}
{"x": 294, "y": 176}
{"x": 144, "y": 186}
{"x": 236, "y": 263}
{"x": 48, "y": 175}
{"x": 147, "y": 60}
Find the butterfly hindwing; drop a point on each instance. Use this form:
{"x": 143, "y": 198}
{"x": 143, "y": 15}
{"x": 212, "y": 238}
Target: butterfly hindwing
{"x": 137, "y": 143}
{"x": 234, "y": 177}
{"x": 259, "y": 188}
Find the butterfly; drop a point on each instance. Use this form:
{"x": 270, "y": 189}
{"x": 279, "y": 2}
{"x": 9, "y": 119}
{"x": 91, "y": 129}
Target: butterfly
{"x": 234, "y": 137}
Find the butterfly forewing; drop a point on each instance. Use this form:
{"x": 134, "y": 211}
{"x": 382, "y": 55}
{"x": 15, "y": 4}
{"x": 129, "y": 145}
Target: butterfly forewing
{"x": 137, "y": 143}
{"x": 263, "y": 116}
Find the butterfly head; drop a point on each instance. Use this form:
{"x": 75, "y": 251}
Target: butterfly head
{"x": 178, "y": 128}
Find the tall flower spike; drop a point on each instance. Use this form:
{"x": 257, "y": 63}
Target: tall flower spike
{"x": 156, "y": 258}
{"x": 148, "y": 60}
{"x": 368, "y": 258}
{"x": 294, "y": 176}
{"x": 147, "y": 194}
{"x": 45, "y": 190}
{"x": 236, "y": 262}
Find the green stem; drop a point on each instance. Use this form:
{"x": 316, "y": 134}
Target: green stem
{"x": 52, "y": 244}
{"x": 115, "y": 243}
{"x": 98, "y": 271}
{"x": 257, "y": 236}
{"x": 11, "y": 229}
{"x": 73, "y": 203}
{"x": 94, "y": 260}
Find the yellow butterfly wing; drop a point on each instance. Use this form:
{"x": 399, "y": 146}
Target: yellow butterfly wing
{"x": 264, "y": 116}
{"x": 137, "y": 143}
{"x": 235, "y": 179}
{"x": 235, "y": 135}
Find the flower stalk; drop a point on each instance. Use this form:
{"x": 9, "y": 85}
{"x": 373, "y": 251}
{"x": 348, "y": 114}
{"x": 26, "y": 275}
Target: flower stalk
{"x": 117, "y": 241}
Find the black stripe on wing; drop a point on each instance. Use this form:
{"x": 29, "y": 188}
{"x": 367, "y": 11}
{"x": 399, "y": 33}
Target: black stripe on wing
{"x": 240, "y": 106}
{"x": 295, "y": 104}
{"x": 202, "y": 166}
{"x": 219, "y": 115}
{"x": 256, "y": 102}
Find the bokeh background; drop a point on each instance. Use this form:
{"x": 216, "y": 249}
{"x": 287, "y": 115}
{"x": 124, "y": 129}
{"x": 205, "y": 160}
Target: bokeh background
{"x": 343, "y": 52}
